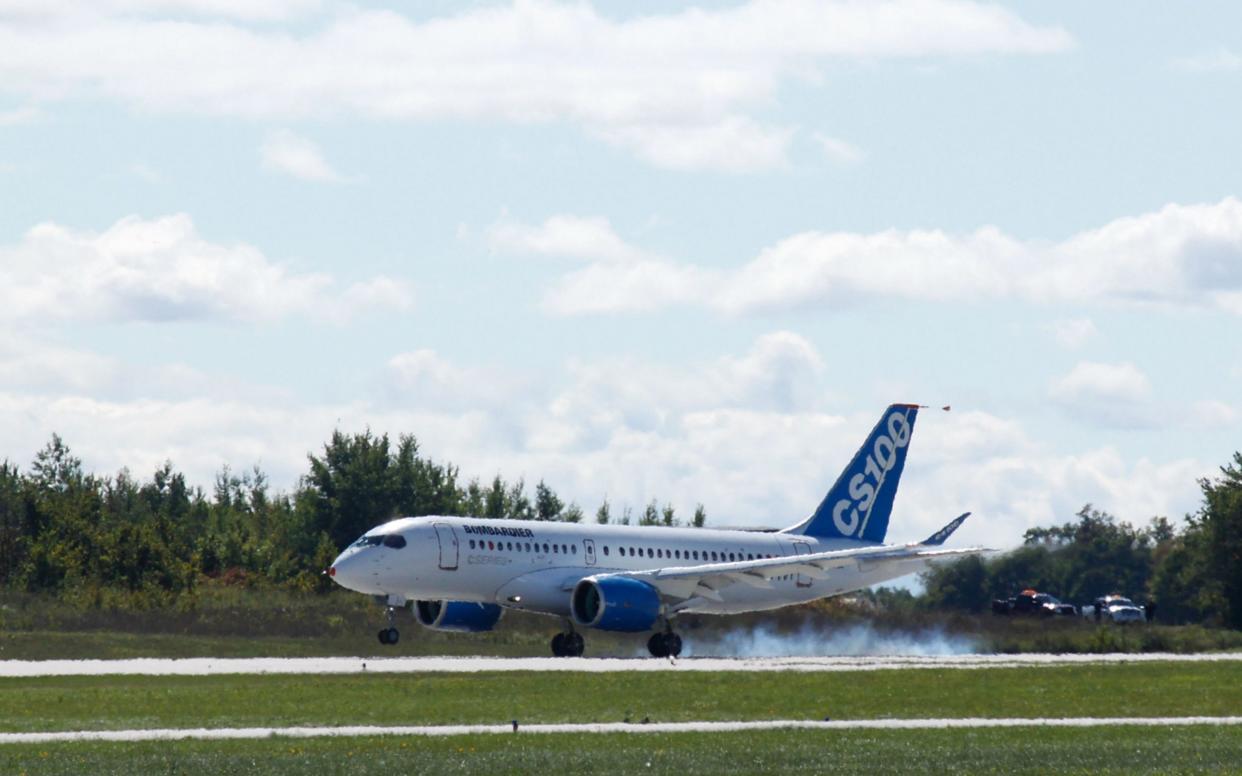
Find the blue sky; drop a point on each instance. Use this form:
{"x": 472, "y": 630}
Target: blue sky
{"x": 644, "y": 250}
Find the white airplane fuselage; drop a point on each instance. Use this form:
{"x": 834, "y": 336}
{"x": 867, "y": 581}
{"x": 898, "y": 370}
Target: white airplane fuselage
{"x": 534, "y": 566}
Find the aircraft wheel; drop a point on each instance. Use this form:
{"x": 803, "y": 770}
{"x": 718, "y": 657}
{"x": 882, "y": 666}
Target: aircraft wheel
{"x": 657, "y": 646}
{"x": 672, "y": 643}
{"x": 389, "y": 636}
{"x": 558, "y": 645}
{"x": 574, "y": 645}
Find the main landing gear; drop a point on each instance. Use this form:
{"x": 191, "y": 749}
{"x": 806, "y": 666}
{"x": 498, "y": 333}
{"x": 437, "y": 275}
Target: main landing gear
{"x": 568, "y": 644}
{"x": 664, "y": 644}
{"x": 390, "y": 635}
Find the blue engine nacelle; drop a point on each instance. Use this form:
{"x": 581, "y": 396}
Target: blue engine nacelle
{"x": 460, "y": 616}
{"x": 615, "y": 603}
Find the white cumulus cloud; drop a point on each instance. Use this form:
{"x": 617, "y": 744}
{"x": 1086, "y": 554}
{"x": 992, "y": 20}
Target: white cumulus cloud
{"x": 1221, "y": 60}
{"x": 681, "y": 89}
{"x": 162, "y": 269}
{"x": 284, "y": 152}
{"x": 756, "y": 436}
{"x": 838, "y": 150}
{"x": 1105, "y": 394}
{"x": 1179, "y": 256}
{"x": 1073, "y": 333}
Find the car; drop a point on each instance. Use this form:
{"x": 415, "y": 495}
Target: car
{"x": 1031, "y": 602}
{"x": 1050, "y": 605}
{"x": 1118, "y": 609}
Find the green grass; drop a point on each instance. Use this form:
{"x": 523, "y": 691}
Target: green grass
{"x": 1021, "y": 750}
{"x": 120, "y": 702}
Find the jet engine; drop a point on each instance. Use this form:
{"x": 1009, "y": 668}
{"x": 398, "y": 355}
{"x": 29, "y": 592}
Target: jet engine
{"x": 615, "y": 603}
{"x": 460, "y": 616}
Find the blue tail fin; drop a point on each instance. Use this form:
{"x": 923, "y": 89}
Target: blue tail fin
{"x": 861, "y": 500}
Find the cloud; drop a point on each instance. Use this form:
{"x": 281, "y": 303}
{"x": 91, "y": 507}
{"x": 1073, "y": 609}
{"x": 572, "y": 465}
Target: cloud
{"x": 562, "y": 236}
{"x": 1220, "y": 61}
{"x": 756, "y": 436}
{"x": 290, "y": 154}
{"x": 732, "y": 144}
{"x": 839, "y": 151}
{"x": 682, "y": 89}
{"x": 1211, "y": 414}
{"x": 23, "y": 115}
{"x": 241, "y": 10}
{"x": 145, "y": 172}
{"x": 1073, "y": 333}
{"x": 1186, "y": 256}
{"x": 163, "y": 270}
{"x": 1105, "y": 394}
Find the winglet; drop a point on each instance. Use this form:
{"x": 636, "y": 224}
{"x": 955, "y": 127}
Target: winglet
{"x": 938, "y": 538}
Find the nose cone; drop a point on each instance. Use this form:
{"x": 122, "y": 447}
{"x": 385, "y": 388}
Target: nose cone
{"x": 351, "y": 570}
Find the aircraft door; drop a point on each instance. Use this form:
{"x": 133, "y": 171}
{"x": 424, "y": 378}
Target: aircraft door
{"x": 588, "y": 548}
{"x": 448, "y": 546}
{"x": 802, "y": 548}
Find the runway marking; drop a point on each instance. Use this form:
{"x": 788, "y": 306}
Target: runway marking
{"x": 205, "y": 666}
{"x": 180, "y": 734}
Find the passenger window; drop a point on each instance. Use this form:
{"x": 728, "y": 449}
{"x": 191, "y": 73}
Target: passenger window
{"x": 565, "y": 548}
{"x": 659, "y": 553}
{"x": 491, "y": 546}
{"x": 676, "y": 554}
{"x": 731, "y": 557}
{"x": 509, "y": 546}
{"x": 605, "y": 549}
{"x": 472, "y": 544}
{"x": 556, "y": 548}
{"x": 545, "y": 549}
{"x": 631, "y": 552}
{"x": 650, "y": 553}
{"x": 713, "y": 555}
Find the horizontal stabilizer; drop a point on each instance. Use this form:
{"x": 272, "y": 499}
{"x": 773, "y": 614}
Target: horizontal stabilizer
{"x": 938, "y": 538}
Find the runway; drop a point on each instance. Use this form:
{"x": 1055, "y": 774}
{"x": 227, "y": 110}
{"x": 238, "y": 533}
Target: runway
{"x": 177, "y": 734}
{"x": 425, "y": 665}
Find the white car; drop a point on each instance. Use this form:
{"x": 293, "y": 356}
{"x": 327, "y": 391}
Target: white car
{"x": 1119, "y": 609}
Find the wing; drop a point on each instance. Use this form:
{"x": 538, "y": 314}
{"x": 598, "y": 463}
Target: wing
{"x": 682, "y": 585}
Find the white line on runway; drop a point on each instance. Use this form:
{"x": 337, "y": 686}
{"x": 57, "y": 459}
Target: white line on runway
{"x": 204, "y": 666}
{"x": 175, "y": 734}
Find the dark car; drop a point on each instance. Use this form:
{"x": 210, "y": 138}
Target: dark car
{"x": 1031, "y": 602}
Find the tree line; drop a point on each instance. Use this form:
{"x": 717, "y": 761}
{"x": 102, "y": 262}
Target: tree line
{"x": 66, "y": 531}
{"x": 1192, "y": 571}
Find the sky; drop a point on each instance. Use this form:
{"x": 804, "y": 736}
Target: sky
{"x": 684, "y": 252}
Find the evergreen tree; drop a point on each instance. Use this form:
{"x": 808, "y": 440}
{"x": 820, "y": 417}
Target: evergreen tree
{"x": 700, "y": 516}
{"x": 651, "y": 514}
{"x": 1222, "y": 523}
{"x": 547, "y": 505}
{"x": 668, "y": 515}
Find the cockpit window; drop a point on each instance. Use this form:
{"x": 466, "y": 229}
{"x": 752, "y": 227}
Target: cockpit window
{"x": 395, "y": 541}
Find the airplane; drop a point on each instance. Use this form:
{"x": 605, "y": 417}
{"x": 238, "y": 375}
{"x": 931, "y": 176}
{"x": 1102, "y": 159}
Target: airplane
{"x": 461, "y": 573}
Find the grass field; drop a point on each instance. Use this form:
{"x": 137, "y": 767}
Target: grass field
{"x": 238, "y": 622}
{"x": 1019, "y": 750}
{"x": 121, "y": 702}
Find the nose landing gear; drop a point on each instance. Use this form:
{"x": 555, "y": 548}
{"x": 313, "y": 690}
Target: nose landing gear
{"x": 390, "y": 635}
